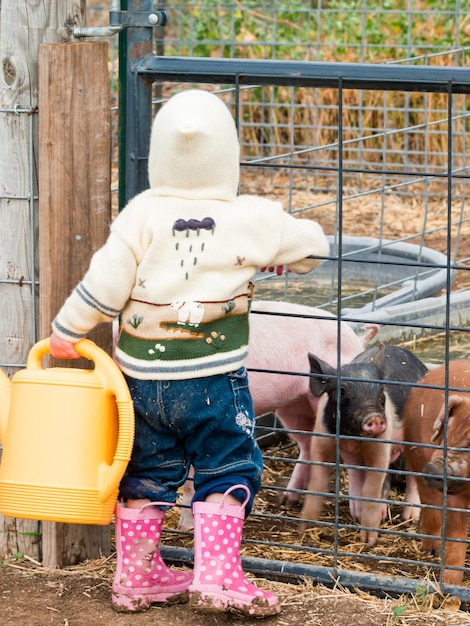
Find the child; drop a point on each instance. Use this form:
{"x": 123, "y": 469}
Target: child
{"x": 177, "y": 268}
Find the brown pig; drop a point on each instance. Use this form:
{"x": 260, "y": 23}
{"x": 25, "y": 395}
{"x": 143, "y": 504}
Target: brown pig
{"x": 427, "y": 420}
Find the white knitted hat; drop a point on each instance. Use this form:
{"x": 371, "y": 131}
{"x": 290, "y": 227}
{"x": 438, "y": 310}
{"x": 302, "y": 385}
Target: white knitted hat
{"x": 194, "y": 148}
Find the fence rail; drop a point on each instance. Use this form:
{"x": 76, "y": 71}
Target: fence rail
{"x": 385, "y": 76}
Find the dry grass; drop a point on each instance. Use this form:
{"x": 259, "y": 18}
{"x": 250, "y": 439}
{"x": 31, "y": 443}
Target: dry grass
{"x": 419, "y": 608}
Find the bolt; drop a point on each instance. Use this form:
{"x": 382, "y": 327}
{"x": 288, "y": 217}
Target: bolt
{"x": 154, "y": 19}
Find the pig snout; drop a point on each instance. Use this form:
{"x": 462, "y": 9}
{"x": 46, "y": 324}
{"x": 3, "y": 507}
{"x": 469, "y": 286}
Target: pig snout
{"x": 456, "y": 469}
{"x": 374, "y": 425}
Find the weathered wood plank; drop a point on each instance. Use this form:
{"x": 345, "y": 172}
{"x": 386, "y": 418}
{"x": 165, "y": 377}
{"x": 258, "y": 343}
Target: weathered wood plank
{"x": 75, "y": 145}
{"x": 74, "y": 215}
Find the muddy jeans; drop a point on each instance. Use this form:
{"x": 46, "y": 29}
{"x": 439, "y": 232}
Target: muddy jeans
{"x": 205, "y": 422}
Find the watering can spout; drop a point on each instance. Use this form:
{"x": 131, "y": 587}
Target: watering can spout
{"x": 5, "y": 397}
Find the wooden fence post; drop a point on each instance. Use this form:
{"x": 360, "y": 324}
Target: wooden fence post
{"x": 74, "y": 217}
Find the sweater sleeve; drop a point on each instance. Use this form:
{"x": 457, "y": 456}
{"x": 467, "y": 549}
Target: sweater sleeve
{"x": 102, "y": 293}
{"x": 300, "y": 240}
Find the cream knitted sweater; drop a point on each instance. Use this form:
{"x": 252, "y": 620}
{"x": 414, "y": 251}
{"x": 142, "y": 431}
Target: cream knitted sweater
{"x": 179, "y": 260}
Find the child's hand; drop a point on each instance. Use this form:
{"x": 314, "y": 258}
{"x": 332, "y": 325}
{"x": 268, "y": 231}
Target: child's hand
{"x": 62, "y": 349}
{"x": 279, "y": 269}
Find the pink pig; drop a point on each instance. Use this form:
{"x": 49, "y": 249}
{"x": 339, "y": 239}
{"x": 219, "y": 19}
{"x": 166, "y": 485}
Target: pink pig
{"x": 281, "y": 340}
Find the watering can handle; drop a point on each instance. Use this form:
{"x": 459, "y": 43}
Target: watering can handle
{"x": 110, "y": 475}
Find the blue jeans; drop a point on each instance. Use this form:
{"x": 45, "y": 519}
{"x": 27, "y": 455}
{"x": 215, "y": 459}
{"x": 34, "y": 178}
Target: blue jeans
{"x": 204, "y": 422}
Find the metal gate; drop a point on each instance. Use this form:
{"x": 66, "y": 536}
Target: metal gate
{"x": 373, "y": 270}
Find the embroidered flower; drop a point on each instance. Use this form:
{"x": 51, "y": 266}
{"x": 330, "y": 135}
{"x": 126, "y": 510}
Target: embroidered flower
{"x": 136, "y": 321}
{"x": 228, "y": 306}
{"x": 158, "y": 350}
{"x": 215, "y": 339}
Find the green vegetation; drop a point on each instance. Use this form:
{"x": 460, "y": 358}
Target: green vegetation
{"x": 277, "y": 120}
{"x": 342, "y": 30}
{"x": 403, "y": 129}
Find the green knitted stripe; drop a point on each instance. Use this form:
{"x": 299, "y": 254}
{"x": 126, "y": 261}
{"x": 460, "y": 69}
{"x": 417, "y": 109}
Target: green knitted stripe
{"x": 223, "y": 335}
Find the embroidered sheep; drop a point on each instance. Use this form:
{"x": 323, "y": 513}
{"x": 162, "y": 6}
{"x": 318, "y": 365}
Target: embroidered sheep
{"x": 188, "y": 311}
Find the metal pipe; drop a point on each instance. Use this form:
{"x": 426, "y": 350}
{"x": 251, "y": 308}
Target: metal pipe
{"x": 306, "y": 74}
{"x": 294, "y": 572}
{"x": 98, "y": 31}
{"x": 136, "y": 109}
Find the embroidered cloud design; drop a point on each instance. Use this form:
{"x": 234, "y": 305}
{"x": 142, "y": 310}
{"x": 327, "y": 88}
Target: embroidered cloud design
{"x": 197, "y": 225}
{"x": 188, "y": 248}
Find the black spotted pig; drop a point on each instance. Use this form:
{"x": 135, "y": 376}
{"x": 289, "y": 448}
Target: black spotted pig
{"x": 281, "y": 335}
{"x": 429, "y": 417}
{"x": 370, "y": 409}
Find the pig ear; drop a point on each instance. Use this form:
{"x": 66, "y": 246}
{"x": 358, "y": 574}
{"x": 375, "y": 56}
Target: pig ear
{"x": 438, "y": 428}
{"x": 377, "y": 357}
{"x": 320, "y": 383}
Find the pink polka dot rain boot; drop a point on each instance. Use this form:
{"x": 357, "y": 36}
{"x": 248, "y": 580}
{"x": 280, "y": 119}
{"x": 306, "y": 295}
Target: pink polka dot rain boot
{"x": 219, "y": 584}
{"x": 141, "y": 576}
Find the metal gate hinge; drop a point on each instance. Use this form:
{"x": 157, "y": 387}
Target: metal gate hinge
{"x": 119, "y": 20}
{"x": 137, "y": 18}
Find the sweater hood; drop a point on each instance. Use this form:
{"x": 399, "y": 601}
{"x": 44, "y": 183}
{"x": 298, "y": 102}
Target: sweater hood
{"x": 194, "y": 149}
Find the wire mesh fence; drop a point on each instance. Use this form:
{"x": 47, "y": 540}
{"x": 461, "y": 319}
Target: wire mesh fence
{"x": 334, "y": 545}
{"x": 319, "y": 30}
{"x": 383, "y": 162}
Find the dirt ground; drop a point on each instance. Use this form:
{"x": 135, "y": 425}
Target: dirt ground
{"x": 80, "y": 596}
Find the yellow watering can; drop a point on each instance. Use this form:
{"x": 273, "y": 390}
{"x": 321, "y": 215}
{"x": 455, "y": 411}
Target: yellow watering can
{"x": 67, "y": 436}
